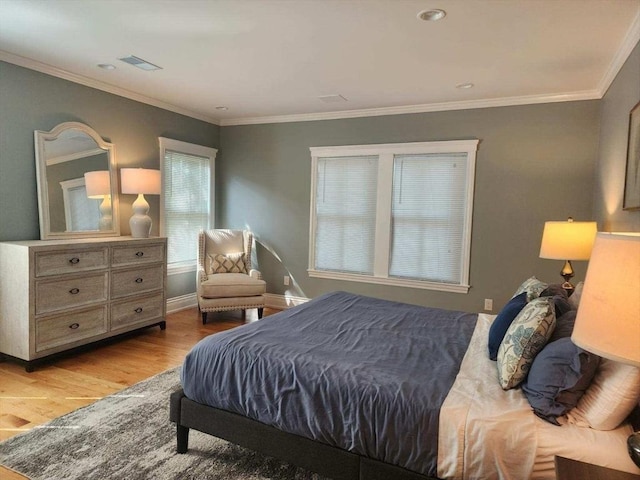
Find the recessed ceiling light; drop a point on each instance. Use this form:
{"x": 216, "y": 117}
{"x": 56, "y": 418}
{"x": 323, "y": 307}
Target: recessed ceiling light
{"x": 464, "y": 86}
{"x": 140, "y": 63}
{"x": 222, "y": 108}
{"x": 106, "y": 66}
{"x": 432, "y": 15}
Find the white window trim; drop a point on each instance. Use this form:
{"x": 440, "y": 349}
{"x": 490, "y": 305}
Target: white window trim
{"x": 385, "y": 153}
{"x": 190, "y": 149}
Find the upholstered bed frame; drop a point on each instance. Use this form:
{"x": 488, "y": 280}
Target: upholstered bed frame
{"x": 330, "y": 461}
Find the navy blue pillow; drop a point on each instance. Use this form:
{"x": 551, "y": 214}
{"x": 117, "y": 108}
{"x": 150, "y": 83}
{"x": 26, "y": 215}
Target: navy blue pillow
{"x": 558, "y": 378}
{"x": 502, "y": 322}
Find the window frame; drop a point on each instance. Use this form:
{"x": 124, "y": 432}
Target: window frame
{"x": 195, "y": 150}
{"x": 385, "y": 153}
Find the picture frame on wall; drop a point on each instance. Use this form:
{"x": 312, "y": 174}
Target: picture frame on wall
{"x": 631, "y": 199}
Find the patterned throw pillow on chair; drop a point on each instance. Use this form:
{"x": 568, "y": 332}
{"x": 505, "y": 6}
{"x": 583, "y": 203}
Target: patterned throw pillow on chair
{"x": 229, "y": 263}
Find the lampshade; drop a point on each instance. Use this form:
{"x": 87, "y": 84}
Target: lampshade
{"x": 568, "y": 240}
{"x": 97, "y": 183}
{"x": 608, "y": 318}
{"x": 140, "y": 180}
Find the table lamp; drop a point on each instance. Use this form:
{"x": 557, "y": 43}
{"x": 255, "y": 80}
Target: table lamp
{"x": 567, "y": 241}
{"x": 98, "y": 185}
{"x": 608, "y": 318}
{"x": 140, "y": 181}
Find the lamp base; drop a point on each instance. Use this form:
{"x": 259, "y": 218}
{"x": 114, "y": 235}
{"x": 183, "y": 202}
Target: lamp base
{"x": 140, "y": 226}
{"x": 140, "y": 222}
{"x": 567, "y": 274}
{"x": 633, "y": 443}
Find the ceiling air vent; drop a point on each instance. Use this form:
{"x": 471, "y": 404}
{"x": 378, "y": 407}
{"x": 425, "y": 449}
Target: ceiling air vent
{"x": 140, "y": 63}
{"x": 332, "y": 98}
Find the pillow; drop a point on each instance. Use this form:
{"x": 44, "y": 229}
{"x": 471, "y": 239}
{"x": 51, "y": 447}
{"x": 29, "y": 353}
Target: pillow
{"x": 526, "y": 336}
{"x": 553, "y": 290}
{"x": 613, "y": 393}
{"x": 229, "y": 263}
{"x": 561, "y": 304}
{"x": 564, "y": 325}
{"x": 558, "y": 378}
{"x": 501, "y": 324}
{"x": 533, "y": 287}
{"x": 574, "y": 299}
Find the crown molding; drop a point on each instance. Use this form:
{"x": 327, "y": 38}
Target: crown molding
{"x": 629, "y": 43}
{"x": 98, "y": 85}
{"x": 425, "y": 108}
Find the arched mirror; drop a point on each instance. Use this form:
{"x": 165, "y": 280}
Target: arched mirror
{"x": 77, "y": 183}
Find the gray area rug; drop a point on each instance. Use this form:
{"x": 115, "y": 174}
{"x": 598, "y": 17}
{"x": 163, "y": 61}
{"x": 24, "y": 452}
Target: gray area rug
{"x": 128, "y": 436}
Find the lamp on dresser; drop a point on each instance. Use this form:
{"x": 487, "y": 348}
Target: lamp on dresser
{"x": 567, "y": 241}
{"x": 98, "y": 186}
{"x": 608, "y": 318}
{"x": 140, "y": 181}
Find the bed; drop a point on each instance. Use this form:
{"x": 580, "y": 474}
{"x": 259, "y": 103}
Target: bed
{"x": 354, "y": 387}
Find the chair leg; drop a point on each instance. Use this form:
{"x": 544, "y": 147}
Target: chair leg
{"x": 204, "y": 317}
{"x": 260, "y": 310}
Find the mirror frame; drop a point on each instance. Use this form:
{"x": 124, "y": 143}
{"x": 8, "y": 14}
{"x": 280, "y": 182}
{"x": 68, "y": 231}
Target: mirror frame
{"x": 40, "y": 137}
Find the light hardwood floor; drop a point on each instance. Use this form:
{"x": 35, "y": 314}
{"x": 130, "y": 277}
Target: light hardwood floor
{"x": 65, "y": 384}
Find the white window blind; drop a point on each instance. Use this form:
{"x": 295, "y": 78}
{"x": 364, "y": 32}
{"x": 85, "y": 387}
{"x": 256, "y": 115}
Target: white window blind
{"x": 346, "y": 213}
{"x": 187, "y": 199}
{"x": 393, "y": 214}
{"x": 428, "y": 213}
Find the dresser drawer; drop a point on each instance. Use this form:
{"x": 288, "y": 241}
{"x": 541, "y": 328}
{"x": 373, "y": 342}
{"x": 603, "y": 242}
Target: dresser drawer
{"x": 63, "y": 293}
{"x": 139, "y": 280}
{"x": 138, "y": 310}
{"x": 55, "y": 263}
{"x": 136, "y": 255}
{"x": 52, "y": 332}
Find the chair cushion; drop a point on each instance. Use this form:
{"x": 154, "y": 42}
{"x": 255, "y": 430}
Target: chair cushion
{"x": 221, "y": 285}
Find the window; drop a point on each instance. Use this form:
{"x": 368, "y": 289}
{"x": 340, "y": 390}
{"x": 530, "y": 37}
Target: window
{"x": 396, "y": 214}
{"x": 187, "y": 199}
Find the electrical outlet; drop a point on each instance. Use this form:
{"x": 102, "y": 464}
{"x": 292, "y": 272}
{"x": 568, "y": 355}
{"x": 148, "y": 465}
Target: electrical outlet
{"x": 286, "y": 279}
{"x": 488, "y": 304}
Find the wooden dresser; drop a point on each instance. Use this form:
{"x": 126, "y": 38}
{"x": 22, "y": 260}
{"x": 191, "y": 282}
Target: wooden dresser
{"x": 60, "y": 294}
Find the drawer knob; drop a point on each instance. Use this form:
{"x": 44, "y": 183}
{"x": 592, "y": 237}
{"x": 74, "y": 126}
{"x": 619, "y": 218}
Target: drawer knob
{"x": 74, "y": 260}
{"x": 139, "y": 254}
{"x": 138, "y": 310}
{"x": 138, "y": 280}
{"x": 74, "y": 291}
{"x": 74, "y": 326}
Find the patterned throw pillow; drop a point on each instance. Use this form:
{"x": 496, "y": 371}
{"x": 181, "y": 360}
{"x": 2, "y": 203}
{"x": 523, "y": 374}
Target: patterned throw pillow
{"x": 526, "y": 336}
{"x": 229, "y": 263}
{"x": 533, "y": 287}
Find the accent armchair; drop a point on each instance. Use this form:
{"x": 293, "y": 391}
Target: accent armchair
{"x": 225, "y": 279}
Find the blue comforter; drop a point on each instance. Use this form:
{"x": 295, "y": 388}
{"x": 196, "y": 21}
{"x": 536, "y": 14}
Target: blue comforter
{"x": 359, "y": 373}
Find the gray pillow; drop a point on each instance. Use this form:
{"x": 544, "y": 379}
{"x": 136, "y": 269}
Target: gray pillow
{"x": 559, "y": 376}
{"x": 564, "y": 326}
{"x": 553, "y": 290}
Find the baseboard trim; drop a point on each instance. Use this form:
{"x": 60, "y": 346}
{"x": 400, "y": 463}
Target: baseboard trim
{"x": 282, "y": 302}
{"x": 175, "y": 304}
{"x": 272, "y": 300}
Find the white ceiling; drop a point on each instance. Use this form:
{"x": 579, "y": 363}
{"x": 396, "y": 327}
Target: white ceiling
{"x": 270, "y": 60}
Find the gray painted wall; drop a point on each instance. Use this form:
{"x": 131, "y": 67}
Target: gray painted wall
{"x": 535, "y": 163}
{"x": 622, "y": 96}
{"x": 31, "y": 101}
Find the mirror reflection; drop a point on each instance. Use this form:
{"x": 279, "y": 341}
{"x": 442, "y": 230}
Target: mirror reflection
{"x": 76, "y": 182}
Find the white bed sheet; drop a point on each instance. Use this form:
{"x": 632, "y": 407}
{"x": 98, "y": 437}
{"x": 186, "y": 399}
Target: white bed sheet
{"x": 488, "y": 433}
